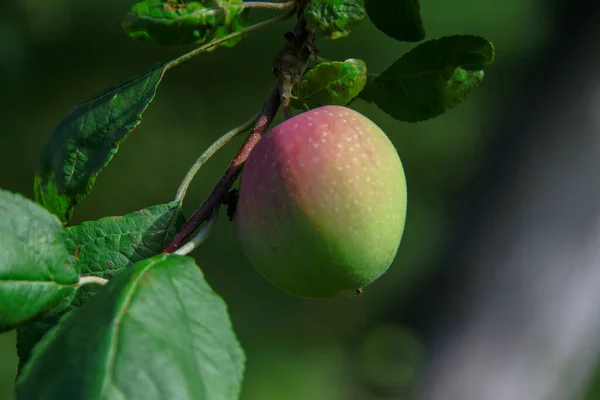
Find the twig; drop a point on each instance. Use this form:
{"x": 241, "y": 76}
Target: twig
{"x": 213, "y": 201}
{"x": 291, "y": 61}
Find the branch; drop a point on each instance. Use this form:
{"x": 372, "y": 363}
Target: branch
{"x": 291, "y": 61}
{"x": 200, "y": 237}
{"x": 212, "y": 203}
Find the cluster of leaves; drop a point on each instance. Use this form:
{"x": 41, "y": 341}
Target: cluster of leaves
{"x": 157, "y": 310}
{"x": 430, "y": 79}
{"x": 77, "y": 339}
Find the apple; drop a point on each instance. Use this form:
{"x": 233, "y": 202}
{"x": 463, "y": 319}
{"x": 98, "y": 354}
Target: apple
{"x": 322, "y": 203}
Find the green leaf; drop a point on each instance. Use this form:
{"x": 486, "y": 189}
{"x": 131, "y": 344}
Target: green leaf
{"x": 87, "y": 139}
{"x": 179, "y": 22}
{"x": 399, "y": 19}
{"x": 37, "y": 272}
{"x": 432, "y": 78}
{"x": 106, "y": 247}
{"x": 111, "y": 244}
{"x": 156, "y": 331}
{"x": 329, "y": 83}
{"x": 333, "y": 18}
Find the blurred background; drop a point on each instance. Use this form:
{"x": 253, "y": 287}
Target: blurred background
{"x": 495, "y": 292}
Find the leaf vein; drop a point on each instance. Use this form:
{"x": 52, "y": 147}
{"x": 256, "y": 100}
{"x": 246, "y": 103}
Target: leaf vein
{"x": 110, "y": 361}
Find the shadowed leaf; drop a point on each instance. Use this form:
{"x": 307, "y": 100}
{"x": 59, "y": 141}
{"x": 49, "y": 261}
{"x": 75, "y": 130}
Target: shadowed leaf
{"x": 431, "y": 78}
{"x": 399, "y": 19}
{"x": 87, "y": 139}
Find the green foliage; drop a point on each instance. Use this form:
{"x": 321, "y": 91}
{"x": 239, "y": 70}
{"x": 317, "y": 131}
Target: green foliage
{"x": 157, "y": 331}
{"x": 331, "y": 83}
{"x": 111, "y": 244}
{"x": 87, "y": 139}
{"x": 399, "y": 19}
{"x": 432, "y": 78}
{"x": 333, "y": 19}
{"x": 37, "y": 272}
{"x": 105, "y": 247}
{"x": 179, "y": 22}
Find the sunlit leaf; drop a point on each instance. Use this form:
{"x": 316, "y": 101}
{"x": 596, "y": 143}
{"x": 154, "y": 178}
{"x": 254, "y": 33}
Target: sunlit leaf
{"x": 156, "y": 331}
{"x": 332, "y": 83}
{"x": 37, "y": 272}
{"x": 110, "y": 244}
{"x": 105, "y": 247}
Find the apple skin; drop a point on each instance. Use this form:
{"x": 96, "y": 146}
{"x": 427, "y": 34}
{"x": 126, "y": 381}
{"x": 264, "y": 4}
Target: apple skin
{"x": 322, "y": 203}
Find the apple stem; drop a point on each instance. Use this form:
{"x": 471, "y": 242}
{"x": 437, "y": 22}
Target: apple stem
{"x": 291, "y": 61}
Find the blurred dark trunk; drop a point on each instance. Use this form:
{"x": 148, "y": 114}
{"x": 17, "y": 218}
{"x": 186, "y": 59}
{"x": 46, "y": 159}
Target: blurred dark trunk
{"x": 515, "y": 314}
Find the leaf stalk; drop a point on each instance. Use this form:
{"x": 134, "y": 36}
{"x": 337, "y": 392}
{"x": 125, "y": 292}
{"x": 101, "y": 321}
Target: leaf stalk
{"x": 205, "y": 47}
{"x": 217, "y": 145}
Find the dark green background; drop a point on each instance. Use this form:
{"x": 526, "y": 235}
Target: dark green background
{"x": 57, "y": 53}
